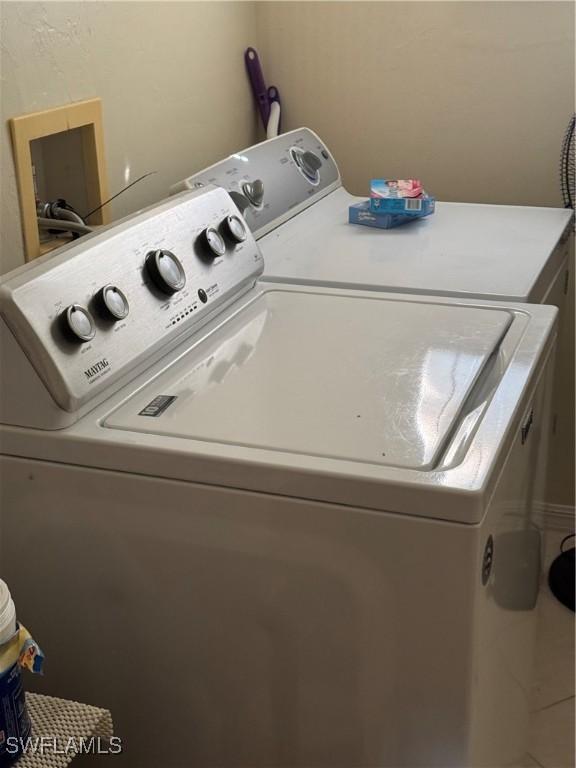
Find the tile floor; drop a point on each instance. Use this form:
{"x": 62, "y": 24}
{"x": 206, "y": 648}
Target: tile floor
{"x": 552, "y": 731}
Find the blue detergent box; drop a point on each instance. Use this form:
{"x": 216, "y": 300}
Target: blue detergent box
{"x": 361, "y": 213}
{"x": 423, "y": 205}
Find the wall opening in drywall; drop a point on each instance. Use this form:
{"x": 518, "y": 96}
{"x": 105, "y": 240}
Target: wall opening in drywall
{"x": 58, "y": 169}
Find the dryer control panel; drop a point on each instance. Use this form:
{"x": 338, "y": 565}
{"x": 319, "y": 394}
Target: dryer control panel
{"x": 272, "y": 181}
{"x": 99, "y": 308}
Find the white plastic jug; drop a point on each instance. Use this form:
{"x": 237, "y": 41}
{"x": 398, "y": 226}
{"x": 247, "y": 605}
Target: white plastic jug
{"x": 7, "y": 613}
{"x": 15, "y": 723}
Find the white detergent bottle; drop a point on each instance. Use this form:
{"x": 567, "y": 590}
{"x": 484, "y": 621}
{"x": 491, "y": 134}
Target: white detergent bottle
{"x": 15, "y": 723}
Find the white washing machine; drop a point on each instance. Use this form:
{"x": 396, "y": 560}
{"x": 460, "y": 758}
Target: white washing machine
{"x": 291, "y": 193}
{"x": 270, "y": 524}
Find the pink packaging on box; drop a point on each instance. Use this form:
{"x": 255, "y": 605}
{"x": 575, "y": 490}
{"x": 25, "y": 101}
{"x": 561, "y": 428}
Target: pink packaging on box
{"x": 383, "y": 188}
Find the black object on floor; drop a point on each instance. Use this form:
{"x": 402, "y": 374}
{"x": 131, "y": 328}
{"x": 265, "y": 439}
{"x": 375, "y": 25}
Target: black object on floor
{"x": 561, "y": 576}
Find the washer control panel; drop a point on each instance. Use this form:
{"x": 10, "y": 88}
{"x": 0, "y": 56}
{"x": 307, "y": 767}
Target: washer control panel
{"x": 272, "y": 181}
{"x": 88, "y": 315}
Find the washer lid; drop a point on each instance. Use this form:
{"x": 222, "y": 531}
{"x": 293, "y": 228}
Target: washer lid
{"x": 338, "y": 376}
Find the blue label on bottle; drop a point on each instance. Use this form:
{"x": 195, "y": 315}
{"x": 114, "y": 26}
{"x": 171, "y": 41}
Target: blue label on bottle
{"x": 14, "y": 720}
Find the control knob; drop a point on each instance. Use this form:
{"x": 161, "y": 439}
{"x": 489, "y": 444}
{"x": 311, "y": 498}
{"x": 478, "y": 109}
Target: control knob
{"x": 213, "y": 241}
{"x": 308, "y": 163}
{"x": 254, "y": 191}
{"x": 78, "y": 323}
{"x": 235, "y": 228}
{"x": 166, "y": 271}
{"x": 113, "y": 303}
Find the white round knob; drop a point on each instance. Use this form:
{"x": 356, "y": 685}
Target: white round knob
{"x": 78, "y": 323}
{"x": 214, "y": 241}
{"x": 113, "y": 302}
{"x": 235, "y": 228}
{"x": 166, "y": 271}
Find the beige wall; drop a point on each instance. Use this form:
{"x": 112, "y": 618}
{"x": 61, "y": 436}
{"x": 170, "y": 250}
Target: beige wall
{"x": 171, "y": 77}
{"x": 472, "y": 97}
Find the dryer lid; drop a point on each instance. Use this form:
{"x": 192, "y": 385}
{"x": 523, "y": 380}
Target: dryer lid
{"x": 332, "y": 375}
{"x": 495, "y": 252}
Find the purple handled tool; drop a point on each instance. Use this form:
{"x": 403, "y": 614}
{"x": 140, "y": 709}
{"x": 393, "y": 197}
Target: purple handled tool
{"x": 258, "y": 85}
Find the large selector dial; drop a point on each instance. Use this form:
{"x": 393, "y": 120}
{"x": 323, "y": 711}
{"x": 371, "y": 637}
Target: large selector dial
{"x": 308, "y": 164}
{"x": 213, "y": 241}
{"x": 78, "y": 323}
{"x": 166, "y": 271}
{"x": 235, "y": 229}
{"x": 113, "y": 302}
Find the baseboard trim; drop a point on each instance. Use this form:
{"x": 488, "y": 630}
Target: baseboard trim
{"x": 560, "y": 517}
